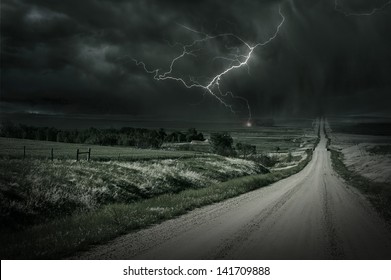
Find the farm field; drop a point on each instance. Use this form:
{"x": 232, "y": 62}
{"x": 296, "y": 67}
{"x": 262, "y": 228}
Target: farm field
{"x": 13, "y": 148}
{"x": 295, "y": 137}
{"x": 276, "y": 141}
{"x": 365, "y": 147}
{"x": 314, "y": 214}
{"x": 39, "y": 195}
{"x": 286, "y": 138}
{"x": 361, "y": 154}
{"x": 34, "y": 191}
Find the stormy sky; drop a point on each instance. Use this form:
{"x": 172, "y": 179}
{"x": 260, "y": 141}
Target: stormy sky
{"x": 76, "y": 57}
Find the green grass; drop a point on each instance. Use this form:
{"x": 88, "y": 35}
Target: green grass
{"x": 268, "y": 139}
{"x": 380, "y": 150}
{"x": 72, "y": 205}
{"x": 63, "y": 237}
{"x": 35, "y": 191}
{"x": 378, "y": 193}
{"x": 13, "y": 148}
{"x": 361, "y": 127}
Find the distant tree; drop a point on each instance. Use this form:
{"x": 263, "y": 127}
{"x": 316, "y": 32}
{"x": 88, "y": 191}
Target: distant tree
{"x": 289, "y": 157}
{"x": 176, "y": 137}
{"x": 127, "y": 130}
{"x": 222, "y": 144}
{"x": 123, "y": 140}
{"x": 246, "y": 149}
{"x": 70, "y": 136}
{"x": 126, "y": 136}
{"x": 28, "y": 132}
{"x": 192, "y": 134}
{"x": 8, "y": 129}
{"x": 108, "y": 139}
{"x": 162, "y": 135}
{"x": 40, "y": 133}
{"x": 60, "y": 136}
{"x": 51, "y": 134}
{"x": 266, "y": 160}
{"x": 153, "y": 139}
{"x": 200, "y": 137}
{"x": 66, "y": 137}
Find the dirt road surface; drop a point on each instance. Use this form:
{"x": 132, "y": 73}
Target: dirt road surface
{"x": 310, "y": 215}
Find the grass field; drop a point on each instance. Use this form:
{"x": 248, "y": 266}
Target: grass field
{"x": 13, "y": 148}
{"x": 50, "y": 209}
{"x": 380, "y": 149}
{"x": 64, "y": 236}
{"x": 378, "y": 193}
{"x": 362, "y": 126}
{"x": 360, "y": 153}
{"x": 365, "y": 147}
{"x": 34, "y": 191}
{"x": 284, "y": 138}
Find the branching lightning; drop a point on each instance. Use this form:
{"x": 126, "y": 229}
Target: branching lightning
{"x": 235, "y": 60}
{"x": 340, "y": 8}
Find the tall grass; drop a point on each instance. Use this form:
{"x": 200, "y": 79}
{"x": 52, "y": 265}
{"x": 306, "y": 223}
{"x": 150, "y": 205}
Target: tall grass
{"x": 13, "y": 148}
{"x": 63, "y": 237}
{"x": 378, "y": 193}
{"x": 35, "y": 191}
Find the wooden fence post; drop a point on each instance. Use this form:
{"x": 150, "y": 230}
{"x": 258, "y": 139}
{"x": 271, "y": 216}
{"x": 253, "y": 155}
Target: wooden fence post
{"x": 82, "y": 153}
{"x": 24, "y": 152}
{"x": 52, "y": 154}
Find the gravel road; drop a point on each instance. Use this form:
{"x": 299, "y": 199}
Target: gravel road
{"x": 310, "y": 215}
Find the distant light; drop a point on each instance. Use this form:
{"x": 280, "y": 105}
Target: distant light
{"x": 33, "y": 112}
{"x": 249, "y": 124}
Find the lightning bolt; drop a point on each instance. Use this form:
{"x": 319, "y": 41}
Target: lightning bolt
{"x": 212, "y": 86}
{"x": 340, "y": 8}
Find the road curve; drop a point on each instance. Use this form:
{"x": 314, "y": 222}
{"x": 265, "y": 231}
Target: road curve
{"x": 310, "y": 215}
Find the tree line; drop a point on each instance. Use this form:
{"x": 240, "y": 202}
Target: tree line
{"x": 125, "y": 136}
{"x": 220, "y": 143}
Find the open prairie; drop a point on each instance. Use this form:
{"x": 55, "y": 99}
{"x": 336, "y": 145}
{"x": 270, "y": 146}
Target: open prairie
{"x": 41, "y": 193}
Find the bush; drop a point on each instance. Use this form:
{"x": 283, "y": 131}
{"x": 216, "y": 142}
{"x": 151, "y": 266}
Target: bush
{"x": 268, "y": 161}
{"x": 222, "y": 144}
{"x": 246, "y": 149}
{"x": 290, "y": 157}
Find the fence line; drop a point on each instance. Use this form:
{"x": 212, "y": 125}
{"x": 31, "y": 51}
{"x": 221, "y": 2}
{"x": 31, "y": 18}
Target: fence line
{"x": 78, "y": 152}
{"x": 81, "y": 153}
{"x": 48, "y": 153}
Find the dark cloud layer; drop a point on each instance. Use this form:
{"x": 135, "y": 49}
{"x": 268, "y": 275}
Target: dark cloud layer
{"x": 75, "y": 57}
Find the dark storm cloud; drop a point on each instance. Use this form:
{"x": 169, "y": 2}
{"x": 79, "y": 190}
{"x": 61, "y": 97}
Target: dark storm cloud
{"x": 75, "y": 56}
